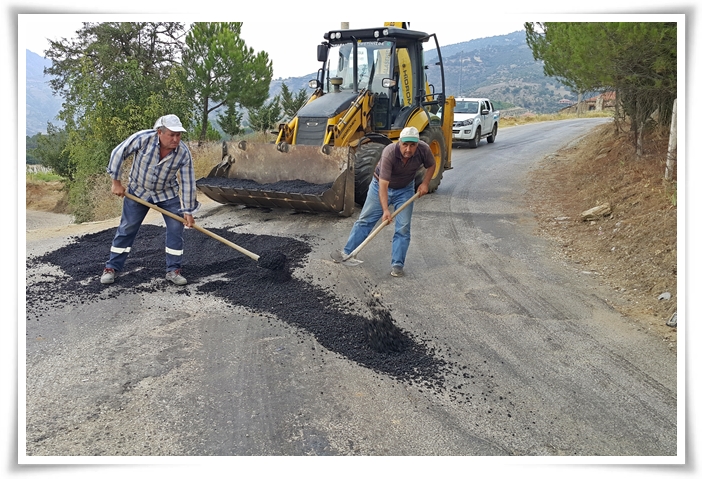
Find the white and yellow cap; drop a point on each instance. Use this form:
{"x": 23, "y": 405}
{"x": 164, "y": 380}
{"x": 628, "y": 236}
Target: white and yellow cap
{"x": 409, "y": 134}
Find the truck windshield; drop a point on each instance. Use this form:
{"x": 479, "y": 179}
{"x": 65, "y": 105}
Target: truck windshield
{"x": 466, "y": 107}
{"x": 374, "y": 63}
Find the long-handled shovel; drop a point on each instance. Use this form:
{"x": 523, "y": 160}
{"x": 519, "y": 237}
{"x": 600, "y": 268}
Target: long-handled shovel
{"x": 269, "y": 259}
{"x": 351, "y": 260}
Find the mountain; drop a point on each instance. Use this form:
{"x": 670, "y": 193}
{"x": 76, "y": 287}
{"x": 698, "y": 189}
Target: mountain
{"x": 42, "y": 105}
{"x": 501, "y": 68}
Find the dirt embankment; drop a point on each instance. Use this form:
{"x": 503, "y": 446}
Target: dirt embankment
{"x": 632, "y": 250}
{"x": 48, "y": 196}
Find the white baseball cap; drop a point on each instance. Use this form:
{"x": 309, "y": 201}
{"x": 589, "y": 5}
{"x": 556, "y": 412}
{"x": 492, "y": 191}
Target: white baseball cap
{"x": 172, "y": 122}
{"x": 409, "y": 134}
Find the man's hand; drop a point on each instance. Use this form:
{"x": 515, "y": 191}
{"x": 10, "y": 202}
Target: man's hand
{"x": 387, "y": 216}
{"x": 422, "y": 189}
{"x": 117, "y": 188}
{"x": 189, "y": 220}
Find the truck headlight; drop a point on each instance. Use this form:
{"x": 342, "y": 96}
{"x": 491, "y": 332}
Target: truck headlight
{"x": 463, "y": 122}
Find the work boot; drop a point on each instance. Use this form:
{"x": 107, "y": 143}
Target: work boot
{"x": 108, "y": 276}
{"x": 339, "y": 256}
{"x": 397, "y": 271}
{"x": 176, "y": 278}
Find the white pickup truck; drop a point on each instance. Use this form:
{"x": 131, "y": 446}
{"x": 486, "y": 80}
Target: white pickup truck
{"x": 474, "y": 119}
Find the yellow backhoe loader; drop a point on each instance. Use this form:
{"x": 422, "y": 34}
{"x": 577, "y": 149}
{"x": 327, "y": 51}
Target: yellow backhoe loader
{"x": 372, "y": 83}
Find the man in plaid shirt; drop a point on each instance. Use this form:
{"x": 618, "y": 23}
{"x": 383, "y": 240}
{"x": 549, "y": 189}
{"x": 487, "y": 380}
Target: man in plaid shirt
{"x": 160, "y": 157}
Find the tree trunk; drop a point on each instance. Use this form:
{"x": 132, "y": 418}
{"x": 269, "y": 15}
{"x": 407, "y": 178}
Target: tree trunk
{"x": 203, "y": 130}
{"x": 639, "y": 139}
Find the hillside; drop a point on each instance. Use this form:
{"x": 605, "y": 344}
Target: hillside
{"x": 42, "y": 105}
{"x": 633, "y": 251}
{"x": 500, "y": 67}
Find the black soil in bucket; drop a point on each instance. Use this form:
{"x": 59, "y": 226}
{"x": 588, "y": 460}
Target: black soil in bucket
{"x": 285, "y": 186}
{"x": 212, "y": 268}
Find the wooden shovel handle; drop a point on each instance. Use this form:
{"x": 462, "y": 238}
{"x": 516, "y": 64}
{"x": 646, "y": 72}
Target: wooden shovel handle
{"x": 248, "y": 253}
{"x": 382, "y": 225}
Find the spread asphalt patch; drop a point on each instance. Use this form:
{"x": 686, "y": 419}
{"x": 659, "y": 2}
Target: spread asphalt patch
{"x": 365, "y": 334}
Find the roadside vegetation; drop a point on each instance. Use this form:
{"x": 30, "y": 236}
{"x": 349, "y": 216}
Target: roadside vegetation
{"x": 142, "y": 70}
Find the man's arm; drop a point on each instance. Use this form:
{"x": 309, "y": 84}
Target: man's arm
{"x": 120, "y": 152}
{"x": 383, "y": 197}
{"x": 188, "y": 191}
{"x": 423, "y": 188}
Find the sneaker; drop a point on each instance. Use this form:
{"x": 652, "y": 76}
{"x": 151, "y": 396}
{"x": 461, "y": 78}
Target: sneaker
{"x": 339, "y": 256}
{"x": 397, "y": 271}
{"x": 108, "y": 276}
{"x": 176, "y": 278}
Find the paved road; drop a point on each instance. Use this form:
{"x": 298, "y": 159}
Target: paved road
{"x": 540, "y": 364}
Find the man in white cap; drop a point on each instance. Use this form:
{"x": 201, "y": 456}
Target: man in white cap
{"x": 159, "y": 156}
{"x": 393, "y": 184}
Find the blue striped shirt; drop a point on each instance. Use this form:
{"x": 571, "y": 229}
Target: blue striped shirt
{"x": 153, "y": 178}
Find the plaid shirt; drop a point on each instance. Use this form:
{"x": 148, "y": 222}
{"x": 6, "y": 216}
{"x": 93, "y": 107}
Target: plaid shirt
{"x": 152, "y": 177}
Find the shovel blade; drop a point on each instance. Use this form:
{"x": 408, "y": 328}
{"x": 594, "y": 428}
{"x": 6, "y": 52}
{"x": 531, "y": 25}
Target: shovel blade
{"x": 350, "y": 261}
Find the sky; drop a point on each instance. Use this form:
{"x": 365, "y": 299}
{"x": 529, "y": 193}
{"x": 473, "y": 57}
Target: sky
{"x": 291, "y": 46}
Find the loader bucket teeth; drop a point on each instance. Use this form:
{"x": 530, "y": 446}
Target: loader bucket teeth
{"x": 222, "y": 169}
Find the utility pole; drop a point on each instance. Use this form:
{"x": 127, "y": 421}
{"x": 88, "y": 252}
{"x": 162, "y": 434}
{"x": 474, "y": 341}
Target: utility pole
{"x": 460, "y": 75}
{"x": 672, "y": 143}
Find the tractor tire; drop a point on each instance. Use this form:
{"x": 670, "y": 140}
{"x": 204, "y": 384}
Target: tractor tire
{"x": 366, "y": 159}
{"x": 434, "y": 137}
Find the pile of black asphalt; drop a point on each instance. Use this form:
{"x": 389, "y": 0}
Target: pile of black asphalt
{"x": 286, "y": 186}
{"x": 363, "y": 333}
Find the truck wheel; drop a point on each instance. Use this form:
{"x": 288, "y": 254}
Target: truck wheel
{"x": 493, "y": 134}
{"x": 365, "y": 160}
{"x": 476, "y": 139}
{"x": 433, "y": 137}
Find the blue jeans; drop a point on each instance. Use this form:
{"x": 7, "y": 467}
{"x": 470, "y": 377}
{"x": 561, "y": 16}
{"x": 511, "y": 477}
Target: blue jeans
{"x": 372, "y": 211}
{"x": 133, "y": 215}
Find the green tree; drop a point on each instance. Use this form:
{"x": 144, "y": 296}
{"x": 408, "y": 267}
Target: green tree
{"x": 290, "y": 103}
{"x": 570, "y": 53}
{"x": 30, "y": 146}
{"x": 219, "y": 69}
{"x": 230, "y": 120}
{"x": 212, "y": 134}
{"x": 51, "y": 150}
{"x": 115, "y": 78}
{"x": 266, "y": 117}
{"x": 637, "y": 60}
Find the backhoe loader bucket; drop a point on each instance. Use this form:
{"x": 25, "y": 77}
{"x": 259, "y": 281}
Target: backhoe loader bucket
{"x": 301, "y": 177}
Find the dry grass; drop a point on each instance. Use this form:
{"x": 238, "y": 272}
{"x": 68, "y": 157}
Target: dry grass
{"x": 507, "y": 121}
{"x": 205, "y": 157}
{"x": 634, "y": 250}
{"x": 105, "y": 204}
